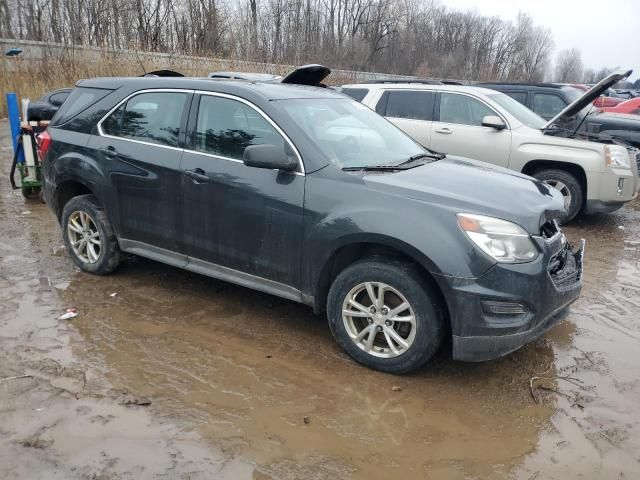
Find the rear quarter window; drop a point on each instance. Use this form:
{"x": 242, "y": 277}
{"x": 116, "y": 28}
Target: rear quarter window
{"x": 78, "y": 100}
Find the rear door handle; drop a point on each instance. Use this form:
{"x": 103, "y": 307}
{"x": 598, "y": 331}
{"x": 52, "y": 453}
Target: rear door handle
{"x": 444, "y": 130}
{"x": 109, "y": 151}
{"x": 197, "y": 175}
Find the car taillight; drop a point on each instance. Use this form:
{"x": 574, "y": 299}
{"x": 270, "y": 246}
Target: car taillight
{"x": 44, "y": 142}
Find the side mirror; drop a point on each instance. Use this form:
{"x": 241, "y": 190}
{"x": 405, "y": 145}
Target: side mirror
{"x": 493, "y": 122}
{"x": 272, "y": 157}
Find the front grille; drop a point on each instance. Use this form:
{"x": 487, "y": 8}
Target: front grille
{"x": 638, "y": 162}
{"x": 564, "y": 268}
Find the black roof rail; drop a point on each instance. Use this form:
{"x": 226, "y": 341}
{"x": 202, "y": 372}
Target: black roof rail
{"x": 447, "y": 81}
{"x": 525, "y": 84}
{"x": 424, "y": 81}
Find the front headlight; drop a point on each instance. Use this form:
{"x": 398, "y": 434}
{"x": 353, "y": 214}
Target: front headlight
{"x": 503, "y": 241}
{"x": 616, "y": 156}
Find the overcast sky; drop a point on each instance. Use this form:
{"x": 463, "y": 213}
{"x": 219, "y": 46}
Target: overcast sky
{"x": 606, "y": 32}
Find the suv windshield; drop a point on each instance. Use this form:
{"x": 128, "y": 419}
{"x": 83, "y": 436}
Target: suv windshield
{"x": 349, "y": 133}
{"x": 515, "y": 108}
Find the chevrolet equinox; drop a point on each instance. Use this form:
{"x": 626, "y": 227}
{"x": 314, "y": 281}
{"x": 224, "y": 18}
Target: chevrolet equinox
{"x": 304, "y": 193}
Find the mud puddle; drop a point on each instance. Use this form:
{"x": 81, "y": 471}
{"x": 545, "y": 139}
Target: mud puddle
{"x": 247, "y": 382}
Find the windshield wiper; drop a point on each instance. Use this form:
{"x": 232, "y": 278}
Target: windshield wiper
{"x": 405, "y": 165}
{"x": 373, "y": 168}
{"x": 418, "y": 156}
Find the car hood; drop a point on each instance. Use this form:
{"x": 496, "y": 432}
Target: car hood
{"x": 311, "y": 75}
{"x": 470, "y": 186}
{"x": 590, "y": 95}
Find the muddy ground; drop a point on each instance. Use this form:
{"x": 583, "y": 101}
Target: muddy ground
{"x": 243, "y": 385}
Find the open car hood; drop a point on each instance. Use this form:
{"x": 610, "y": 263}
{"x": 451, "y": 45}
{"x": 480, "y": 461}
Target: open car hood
{"x": 590, "y": 95}
{"x": 163, "y": 73}
{"x": 311, "y": 75}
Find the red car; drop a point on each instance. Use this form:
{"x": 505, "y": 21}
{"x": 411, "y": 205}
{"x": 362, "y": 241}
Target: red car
{"x": 628, "y": 106}
{"x": 603, "y": 101}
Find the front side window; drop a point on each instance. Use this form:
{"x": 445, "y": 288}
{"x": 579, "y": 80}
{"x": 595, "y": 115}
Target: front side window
{"x": 149, "y": 117}
{"x": 547, "y": 106}
{"x": 225, "y": 127}
{"x": 462, "y": 109}
{"x": 409, "y": 104}
{"x": 518, "y": 110}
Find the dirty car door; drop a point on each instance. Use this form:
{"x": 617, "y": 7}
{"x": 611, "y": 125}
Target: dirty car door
{"x": 237, "y": 217}
{"x": 139, "y": 147}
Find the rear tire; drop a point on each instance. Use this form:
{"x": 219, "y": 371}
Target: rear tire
{"x": 89, "y": 237}
{"x": 570, "y": 188}
{"x": 387, "y": 340}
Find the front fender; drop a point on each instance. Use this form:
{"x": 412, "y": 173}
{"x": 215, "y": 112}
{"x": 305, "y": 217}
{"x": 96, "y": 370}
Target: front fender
{"x": 436, "y": 243}
{"x": 590, "y": 160}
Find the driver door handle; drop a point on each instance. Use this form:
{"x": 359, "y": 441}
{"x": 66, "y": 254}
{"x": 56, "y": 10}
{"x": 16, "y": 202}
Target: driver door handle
{"x": 444, "y": 130}
{"x": 109, "y": 151}
{"x": 197, "y": 175}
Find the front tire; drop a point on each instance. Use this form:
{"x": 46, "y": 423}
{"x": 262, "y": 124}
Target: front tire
{"x": 385, "y": 315}
{"x": 89, "y": 237}
{"x": 570, "y": 188}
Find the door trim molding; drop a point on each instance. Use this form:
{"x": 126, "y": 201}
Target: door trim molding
{"x": 212, "y": 270}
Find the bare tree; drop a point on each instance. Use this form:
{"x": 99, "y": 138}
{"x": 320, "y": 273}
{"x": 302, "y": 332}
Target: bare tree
{"x": 395, "y": 36}
{"x": 569, "y": 66}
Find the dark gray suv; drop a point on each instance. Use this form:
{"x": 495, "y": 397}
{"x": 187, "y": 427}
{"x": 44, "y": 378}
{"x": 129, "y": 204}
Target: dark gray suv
{"x": 304, "y": 193}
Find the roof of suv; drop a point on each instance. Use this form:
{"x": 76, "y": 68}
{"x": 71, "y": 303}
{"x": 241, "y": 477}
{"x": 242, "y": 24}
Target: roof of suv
{"x": 422, "y": 86}
{"x": 268, "y": 90}
{"x": 525, "y": 86}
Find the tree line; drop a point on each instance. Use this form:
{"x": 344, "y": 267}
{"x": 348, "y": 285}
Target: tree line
{"x": 411, "y": 37}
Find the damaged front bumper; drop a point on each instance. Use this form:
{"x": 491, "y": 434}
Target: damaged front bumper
{"x": 513, "y": 304}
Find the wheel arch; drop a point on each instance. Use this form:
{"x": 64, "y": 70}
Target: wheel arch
{"x": 349, "y": 252}
{"x": 575, "y": 169}
{"x": 66, "y": 190}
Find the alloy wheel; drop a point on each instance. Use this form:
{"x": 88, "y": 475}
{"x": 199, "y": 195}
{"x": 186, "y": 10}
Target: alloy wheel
{"x": 379, "y": 319}
{"x": 84, "y": 237}
{"x": 563, "y": 189}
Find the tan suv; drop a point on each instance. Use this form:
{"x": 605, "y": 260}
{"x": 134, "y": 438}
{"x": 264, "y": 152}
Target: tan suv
{"x": 482, "y": 124}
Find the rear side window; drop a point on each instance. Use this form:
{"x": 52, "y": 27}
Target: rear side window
{"x": 226, "y": 127}
{"x": 462, "y": 109}
{"x": 149, "y": 117}
{"x": 416, "y": 105}
{"x": 356, "y": 93}
{"x": 519, "y": 96}
{"x": 78, "y": 100}
{"x": 547, "y": 105}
